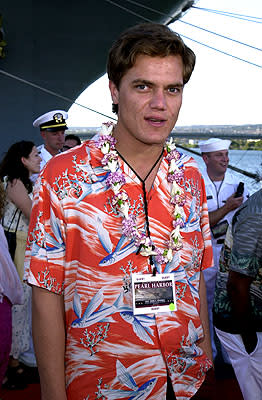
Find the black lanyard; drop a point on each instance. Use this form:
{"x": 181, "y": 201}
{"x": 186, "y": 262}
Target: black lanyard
{"x": 218, "y": 190}
{"x": 145, "y": 201}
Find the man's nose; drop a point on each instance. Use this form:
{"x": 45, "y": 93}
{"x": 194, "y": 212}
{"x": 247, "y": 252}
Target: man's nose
{"x": 61, "y": 137}
{"x": 158, "y": 100}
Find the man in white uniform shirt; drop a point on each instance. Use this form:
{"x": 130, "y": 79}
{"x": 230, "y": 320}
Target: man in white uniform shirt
{"x": 221, "y": 187}
{"x": 52, "y": 129}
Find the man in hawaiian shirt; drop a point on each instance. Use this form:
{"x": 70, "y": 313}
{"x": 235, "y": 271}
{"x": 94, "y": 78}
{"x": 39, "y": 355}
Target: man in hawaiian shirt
{"x": 118, "y": 240}
{"x": 237, "y": 304}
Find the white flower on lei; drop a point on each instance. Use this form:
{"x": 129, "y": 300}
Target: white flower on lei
{"x": 105, "y": 148}
{"x": 147, "y": 248}
{"x": 173, "y": 166}
{"x": 124, "y": 208}
{"x": 170, "y": 145}
{"x": 175, "y": 234}
{"x": 107, "y": 128}
{"x": 175, "y": 189}
{"x": 116, "y": 187}
{"x": 169, "y": 255}
{"x": 112, "y": 165}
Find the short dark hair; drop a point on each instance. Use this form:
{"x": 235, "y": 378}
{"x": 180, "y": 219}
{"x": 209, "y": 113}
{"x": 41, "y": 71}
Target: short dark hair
{"x": 154, "y": 40}
{"x": 71, "y": 136}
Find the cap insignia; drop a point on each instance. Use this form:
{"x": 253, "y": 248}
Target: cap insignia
{"x": 58, "y": 117}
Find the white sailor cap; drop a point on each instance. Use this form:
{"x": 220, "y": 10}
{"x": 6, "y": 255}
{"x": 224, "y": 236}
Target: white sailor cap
{"x": 52, "y": 121}
{"x": 214, "y": 144}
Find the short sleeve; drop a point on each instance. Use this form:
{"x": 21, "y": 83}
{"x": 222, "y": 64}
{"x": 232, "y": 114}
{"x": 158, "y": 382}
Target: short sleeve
{"x": 45, "y": 253}
{"x": 246, "y": 253}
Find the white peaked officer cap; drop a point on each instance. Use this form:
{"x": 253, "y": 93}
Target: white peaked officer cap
{"x": 214, "y": 144}
{"x": 52, "y": 121}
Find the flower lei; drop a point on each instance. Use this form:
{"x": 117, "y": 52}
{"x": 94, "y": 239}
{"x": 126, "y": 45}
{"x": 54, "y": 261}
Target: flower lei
{"x": 106, "y": 143}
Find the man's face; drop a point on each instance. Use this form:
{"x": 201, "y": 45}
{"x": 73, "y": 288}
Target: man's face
{"x": 216, "y": 162}
{"x": 54, "y": 141}
{"x": 149, "y": 99}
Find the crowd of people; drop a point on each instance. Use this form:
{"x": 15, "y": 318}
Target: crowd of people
{"x": 144, "y": 268}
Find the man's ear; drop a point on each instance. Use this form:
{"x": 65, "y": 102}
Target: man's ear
{"x": 42, "y": 133}
{"x": 205, "y": 158}
{"x": 114, "y": 92}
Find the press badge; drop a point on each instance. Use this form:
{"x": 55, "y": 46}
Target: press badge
{"x": 153, "y": 294}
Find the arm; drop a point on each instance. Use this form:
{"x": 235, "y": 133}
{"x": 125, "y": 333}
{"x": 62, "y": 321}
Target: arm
{"x": 49, "y": 342}
{"x": 17, "y": 193}
{"x": 238, "y": 286}
{"x": 205, "y": 343}
{"x": 231, "y": 204}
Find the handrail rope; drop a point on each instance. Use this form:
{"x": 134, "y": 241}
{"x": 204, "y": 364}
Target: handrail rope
{"x": 188, "y": 23}
{"x": 218, "y": 34}
{"x": 129, "y": 11}
{"x": 221, "y": 51}
{"x": 203, "y": 44}
{"x": 53, "y": 93}
{"x": 199, "y": 8}
{"x": 232, "y": 15}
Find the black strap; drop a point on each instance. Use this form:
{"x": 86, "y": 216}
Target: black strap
{"x": 151, "y": 169}
{"x": 13, "y": 220}
{"x": 145, "y": 200}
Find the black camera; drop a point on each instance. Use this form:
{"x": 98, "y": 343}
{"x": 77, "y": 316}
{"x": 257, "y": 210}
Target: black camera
{"x": 240, "y": 189}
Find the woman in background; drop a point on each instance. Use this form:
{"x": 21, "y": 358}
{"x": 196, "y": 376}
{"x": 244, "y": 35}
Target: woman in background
{"x": 11, "y": 292}
{"x": 20, "y": 162}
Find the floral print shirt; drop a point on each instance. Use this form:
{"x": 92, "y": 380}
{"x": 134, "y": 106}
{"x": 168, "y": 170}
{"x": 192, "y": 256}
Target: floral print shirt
{"x": 242, "y": 253}
{"x": 76, "y": 247}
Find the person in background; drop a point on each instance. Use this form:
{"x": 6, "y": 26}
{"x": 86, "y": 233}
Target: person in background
{"x": 11, "y": 292}
{"x": 71, "y": 141}
{"x": 238, "y": 296}
{"x": 125, "y": 206}
{"x": 20, "y": 162}
{"x": 52, "y": 127}
{"x": 221, "y": 187}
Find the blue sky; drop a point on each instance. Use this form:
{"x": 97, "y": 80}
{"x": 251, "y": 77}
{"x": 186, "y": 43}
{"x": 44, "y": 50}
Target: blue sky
{"x": 222, "y": 90}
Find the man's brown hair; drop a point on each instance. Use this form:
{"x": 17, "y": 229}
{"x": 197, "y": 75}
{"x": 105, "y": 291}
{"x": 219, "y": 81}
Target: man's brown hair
{"x": 154, "y": 40}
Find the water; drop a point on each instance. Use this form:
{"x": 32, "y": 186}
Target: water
{"x": 248, "y": 160}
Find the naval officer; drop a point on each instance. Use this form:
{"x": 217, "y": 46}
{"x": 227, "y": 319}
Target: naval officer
{"x": 52, "y": 129}
{"x": 221, "y": 187}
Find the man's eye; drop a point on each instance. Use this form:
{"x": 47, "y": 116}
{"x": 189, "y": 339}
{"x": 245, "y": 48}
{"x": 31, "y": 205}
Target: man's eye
{"x": 174, "y": 89}
{"x": 141, "y": 86}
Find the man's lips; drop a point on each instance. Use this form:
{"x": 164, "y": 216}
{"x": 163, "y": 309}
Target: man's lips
{"x": 155, "y": 120}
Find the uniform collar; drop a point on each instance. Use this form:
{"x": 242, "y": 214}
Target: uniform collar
{"x": 227, "y": 178}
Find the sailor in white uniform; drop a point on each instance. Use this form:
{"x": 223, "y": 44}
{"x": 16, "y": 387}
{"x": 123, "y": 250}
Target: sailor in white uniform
{"x": 221, "y": 188}
{"x": 52, "y": 129}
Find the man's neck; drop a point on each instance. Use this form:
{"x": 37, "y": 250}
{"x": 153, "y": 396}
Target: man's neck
{"x": 51, "y": 151}
{"x": 215, "y": 177}
{"x": 140, "y": 156}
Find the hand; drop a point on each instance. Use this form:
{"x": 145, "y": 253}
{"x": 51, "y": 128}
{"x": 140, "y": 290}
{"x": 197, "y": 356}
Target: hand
{"x": 233, "y": 202}
{"x": 250, "y": 341}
